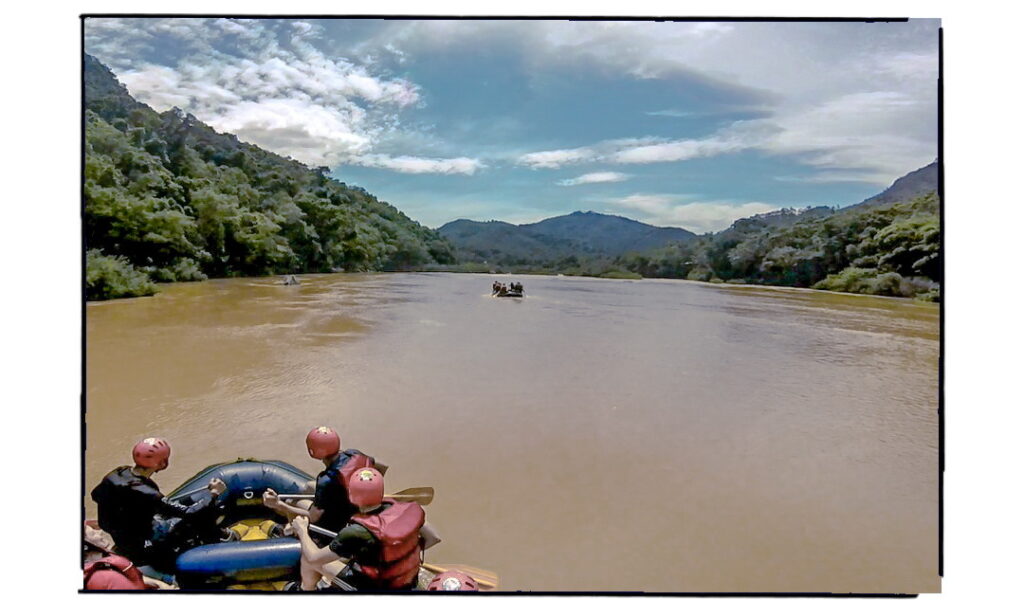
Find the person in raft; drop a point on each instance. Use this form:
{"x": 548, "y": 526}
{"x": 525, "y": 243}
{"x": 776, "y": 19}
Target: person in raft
{"x": 380, "y": 549}
{"x": 146, "y": 527}
{"x": 331, "y": 508}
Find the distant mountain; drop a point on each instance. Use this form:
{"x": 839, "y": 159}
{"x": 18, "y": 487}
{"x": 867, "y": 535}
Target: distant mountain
{"x": 607, "y": 234}
{"x": 912, "y": 185}
{"x": 580, "y": 235}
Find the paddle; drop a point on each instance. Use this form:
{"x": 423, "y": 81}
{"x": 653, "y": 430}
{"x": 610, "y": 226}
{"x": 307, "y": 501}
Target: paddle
{"x": 420, "y": 495}
{"x": 487, "y": 580}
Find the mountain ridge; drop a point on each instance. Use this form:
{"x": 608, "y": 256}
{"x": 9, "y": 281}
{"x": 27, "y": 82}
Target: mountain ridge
{"x": 559, "y": 238}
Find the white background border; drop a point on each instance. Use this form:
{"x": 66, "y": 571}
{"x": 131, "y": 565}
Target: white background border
{"x": 41, "y": 254}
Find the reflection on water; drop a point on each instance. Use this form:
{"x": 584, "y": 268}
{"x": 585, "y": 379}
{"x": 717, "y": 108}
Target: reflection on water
{"x": 597, "y": 435}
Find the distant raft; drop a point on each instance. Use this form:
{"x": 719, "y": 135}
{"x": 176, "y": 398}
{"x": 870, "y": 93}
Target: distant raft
{"x": 500, "y": 290}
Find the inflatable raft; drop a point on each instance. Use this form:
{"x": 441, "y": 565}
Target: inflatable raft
{"x": 261, "y": 559}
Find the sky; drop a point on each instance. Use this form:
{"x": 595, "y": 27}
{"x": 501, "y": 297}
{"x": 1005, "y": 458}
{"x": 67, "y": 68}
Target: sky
{"x": 687, "y": 124}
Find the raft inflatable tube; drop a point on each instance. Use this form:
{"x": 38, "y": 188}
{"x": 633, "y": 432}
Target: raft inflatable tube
{"x": 246, "y": 480}
{"x": 214, "y": 566}
{"x": 217, "y": 565}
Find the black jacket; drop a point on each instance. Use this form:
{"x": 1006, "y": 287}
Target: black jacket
{"x": 127, "y": 504}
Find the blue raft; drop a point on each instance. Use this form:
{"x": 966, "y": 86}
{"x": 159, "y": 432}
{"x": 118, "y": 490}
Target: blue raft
{"x": 226, "y": 563}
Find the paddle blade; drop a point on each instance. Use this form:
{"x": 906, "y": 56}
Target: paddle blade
{"x": 420, "y": 495}
{"x": 487, "y": 580}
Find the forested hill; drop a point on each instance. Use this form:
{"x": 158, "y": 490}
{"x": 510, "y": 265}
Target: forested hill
{"x": 558, "y": 241}
{"x": 167, "y": 198}
{"x": 889, "y": 245}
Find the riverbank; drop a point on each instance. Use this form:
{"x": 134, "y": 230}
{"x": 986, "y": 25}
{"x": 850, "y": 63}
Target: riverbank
{"x": 123, "y": 281}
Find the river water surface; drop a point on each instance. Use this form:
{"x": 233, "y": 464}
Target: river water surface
{"x": 597, "y": 435}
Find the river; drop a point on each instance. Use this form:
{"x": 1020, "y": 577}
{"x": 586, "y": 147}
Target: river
{"x": 597, "y": 435}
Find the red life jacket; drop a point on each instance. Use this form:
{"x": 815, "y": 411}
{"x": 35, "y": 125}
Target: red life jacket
{"x": 113, "y": 572}
{"x": 397, "y": 528}
{"x": 358, "y": 461}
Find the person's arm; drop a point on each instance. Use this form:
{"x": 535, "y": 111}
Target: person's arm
{"x": 271, "y": 501}
{"x": 171, "y": 508}
{"x": 310, "y": 552}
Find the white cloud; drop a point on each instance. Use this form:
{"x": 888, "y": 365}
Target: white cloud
{"x": 313, "y": 135}
{"x": 675, "y": 151}
{"x": 679, "y": 114}
{"x": 600, "y": 152}
{"x": 599, "y": 177}
{"x": 415, "y": 164}
{"x": 553, "y": 159}
{"x": 302, "y": 28}
{"x": 291, "y": 99}
{"x": 867, "y": 137}
{"x": 686, "y": 212}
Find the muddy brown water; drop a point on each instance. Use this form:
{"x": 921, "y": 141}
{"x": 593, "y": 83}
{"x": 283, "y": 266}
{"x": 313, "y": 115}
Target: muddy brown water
{"x": 596, "y": 435}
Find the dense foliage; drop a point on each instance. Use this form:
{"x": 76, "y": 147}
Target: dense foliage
{"x": 890, "y": 250}
{"x": 114, "y": 277}
{"x": 169, "y": 199}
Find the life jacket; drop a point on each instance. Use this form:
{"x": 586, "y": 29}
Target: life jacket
{"x": 397, "y": 529}
{"x": 128, "y": 576}
{"x": 357, "y": 461}
{"x": 125, "y": 510}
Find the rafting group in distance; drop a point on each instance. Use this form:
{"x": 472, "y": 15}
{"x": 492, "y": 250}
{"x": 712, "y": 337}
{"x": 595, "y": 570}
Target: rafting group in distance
{"x": 265, "y": 525}
{"x": 511, "y": 290}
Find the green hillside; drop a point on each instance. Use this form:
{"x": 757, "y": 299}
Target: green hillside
{"x": 167, "y": 198}
{"x": 890, "y": 249}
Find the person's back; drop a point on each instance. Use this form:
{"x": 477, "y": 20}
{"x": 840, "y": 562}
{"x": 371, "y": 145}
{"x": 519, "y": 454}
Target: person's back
{"x": 382, "y": 540}
{"x": 331, "y": 495}
{"x": 393, "y": 561}
{"x": 126, "y": 504}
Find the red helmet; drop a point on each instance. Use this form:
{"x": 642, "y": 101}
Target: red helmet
{"x": 322, "y": 442}
{"x": 366, "y": 488}
{"x": 453, "y": 581}
{"x": 152, "y": 453}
